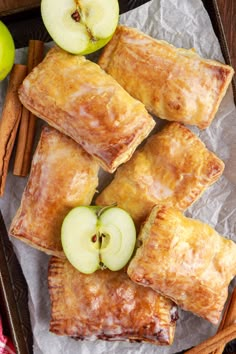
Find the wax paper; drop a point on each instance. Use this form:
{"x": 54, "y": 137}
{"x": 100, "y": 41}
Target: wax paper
{"x": 184, "y": 23}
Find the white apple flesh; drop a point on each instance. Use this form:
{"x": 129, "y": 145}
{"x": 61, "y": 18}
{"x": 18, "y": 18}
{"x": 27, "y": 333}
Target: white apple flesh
{"x": 94, "y": 237}
{"x": 80, "y": 26}
{"x": 78, "y": 230}
{"x": 119, "y": 238}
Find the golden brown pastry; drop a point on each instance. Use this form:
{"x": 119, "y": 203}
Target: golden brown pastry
{"x": 174, "y": 167}
{"x": 185, "y": 260}
{"x": 174, "y": 83}
{"x": 78, "y": 98}
{"x": 62, "y": 176}
{"x": 107, "y": 305}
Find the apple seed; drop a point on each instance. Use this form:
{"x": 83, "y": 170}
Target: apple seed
{"x": 94, "y": 238}
{"x": 76, "y": 16}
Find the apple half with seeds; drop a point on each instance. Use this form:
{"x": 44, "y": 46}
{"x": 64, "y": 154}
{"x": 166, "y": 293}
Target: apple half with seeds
{"x": 80, "y": 26}
{"x": 96, "y": 237}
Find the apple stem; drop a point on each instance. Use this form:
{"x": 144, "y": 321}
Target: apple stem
{"x": 102, "y": 266}
{"x": 92, "y": 38}
{"x": 77, "y": 4}
{"x": 100, "y": 211}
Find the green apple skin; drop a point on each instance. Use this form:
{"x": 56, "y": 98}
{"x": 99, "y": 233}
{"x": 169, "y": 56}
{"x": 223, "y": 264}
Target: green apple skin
{"x": 94, "y": 237}
{"x": 97, "y": 23}
{"x": 7, "y": 51}
{"x": 94, "y": 46}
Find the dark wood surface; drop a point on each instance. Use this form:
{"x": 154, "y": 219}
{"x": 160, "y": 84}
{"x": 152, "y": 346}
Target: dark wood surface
{"x": 10, "y": 6}
{"x": 227, "y": 10}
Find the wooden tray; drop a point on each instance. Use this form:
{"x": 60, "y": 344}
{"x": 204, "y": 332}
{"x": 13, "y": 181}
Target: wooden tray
{"x": 13, "y": 6}
{"x": 25, "y": 23}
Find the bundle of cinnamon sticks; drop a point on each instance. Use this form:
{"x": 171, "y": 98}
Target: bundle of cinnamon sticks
{"x": 15, "y": 116}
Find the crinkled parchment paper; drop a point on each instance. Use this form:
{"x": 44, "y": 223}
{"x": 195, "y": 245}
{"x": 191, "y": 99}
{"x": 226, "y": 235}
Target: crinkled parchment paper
{"x": 184, "y": 23}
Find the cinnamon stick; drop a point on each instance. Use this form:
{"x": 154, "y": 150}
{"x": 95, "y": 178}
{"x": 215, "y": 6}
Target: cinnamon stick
{"x": 9, "y": 122}
{"x": 221, "y": 338}
{"x": 228, "y": 318}
{"x": 28, "y": 120}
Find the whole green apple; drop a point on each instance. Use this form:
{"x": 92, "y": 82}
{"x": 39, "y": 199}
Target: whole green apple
{"x": 80, "y": 26}
{"x": 7, "y": 51}
{"x": 95, "y": 237}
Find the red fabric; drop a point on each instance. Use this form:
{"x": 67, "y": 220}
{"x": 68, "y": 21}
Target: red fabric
{"x": 6, "y": 346}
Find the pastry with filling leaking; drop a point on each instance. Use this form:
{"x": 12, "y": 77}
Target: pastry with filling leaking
{"x": 174, "y": 83}
{"x": 62, "y": 177}
{"x": 78, "y": 98}
{"x": 107, "y": 305}
{"x": 173, "y": 167}
{"x": 185, "y": 260}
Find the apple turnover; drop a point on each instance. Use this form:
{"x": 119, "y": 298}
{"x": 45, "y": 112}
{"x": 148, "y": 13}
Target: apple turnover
{"x": 174, "y": 83}
{"x": 173, "y": 167}
{"x": 62, "y": 176}
{"x": 107, "y": 305}
{"x": 78, "y": 98}
{"x": 185, "y": 260}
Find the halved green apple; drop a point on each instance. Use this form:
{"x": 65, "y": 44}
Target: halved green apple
{"x": 95, "y": 237}
{"x": 80, "y": 26}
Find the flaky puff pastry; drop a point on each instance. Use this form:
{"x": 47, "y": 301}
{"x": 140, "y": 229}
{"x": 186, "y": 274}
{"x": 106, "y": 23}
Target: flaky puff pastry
{"x": 174, "y": 83}
{"x": 62, "y": 176}
{"x": 78, "y": 98}
{"x": 185, "y": 260}
{"x": 107, "y": 305}
{"x": 174, "y": 167}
